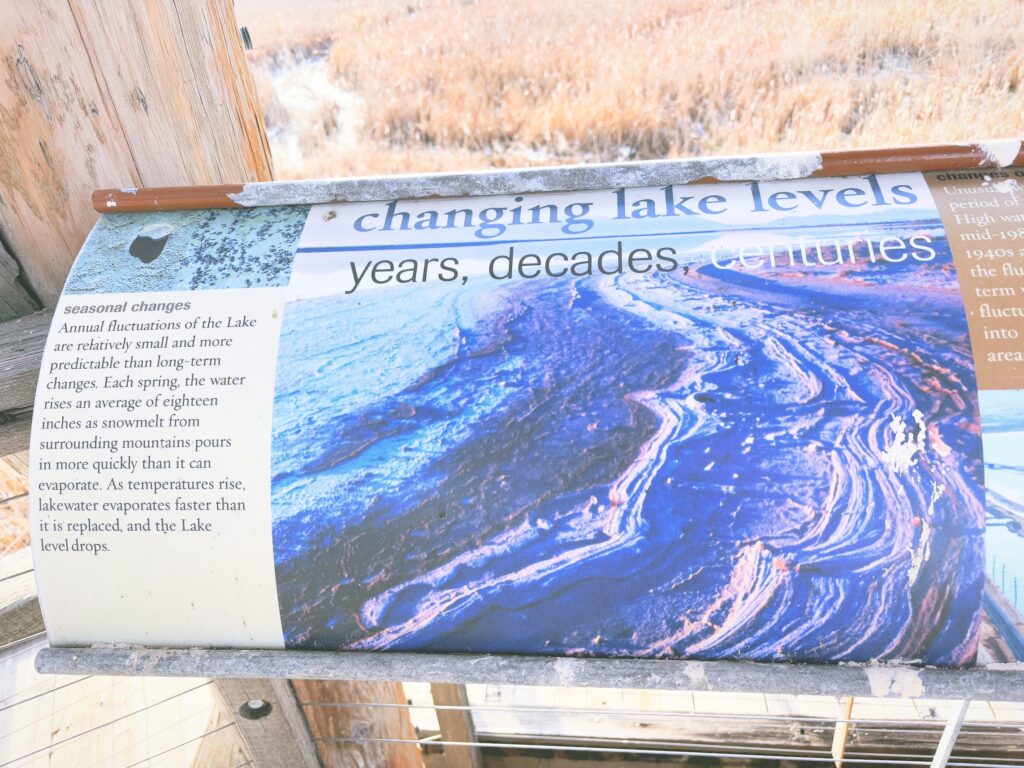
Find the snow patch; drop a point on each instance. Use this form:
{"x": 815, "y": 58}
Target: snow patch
{"x": 1000, "y": 152}
{"x": 887, "y": 682}
{"x": 899, "y": 456}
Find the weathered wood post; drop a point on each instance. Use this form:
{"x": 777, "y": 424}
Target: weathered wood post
{"x": 122, "y": 94}
{"x": 456, "y": 725}
{"x": 357, "y": 736}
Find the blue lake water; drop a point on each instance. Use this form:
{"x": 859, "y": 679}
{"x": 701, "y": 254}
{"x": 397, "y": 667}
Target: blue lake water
{"x": 1002, "y": 414}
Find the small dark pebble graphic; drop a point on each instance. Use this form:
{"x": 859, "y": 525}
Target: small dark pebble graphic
{"x": 150, "y": 242}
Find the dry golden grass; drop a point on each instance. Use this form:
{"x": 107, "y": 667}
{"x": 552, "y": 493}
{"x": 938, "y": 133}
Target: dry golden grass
{"x": 14, "y": 526}
{"x": 447, "y": 84}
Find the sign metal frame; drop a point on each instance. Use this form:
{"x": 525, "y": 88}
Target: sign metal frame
{"x": 1003, "y": 682}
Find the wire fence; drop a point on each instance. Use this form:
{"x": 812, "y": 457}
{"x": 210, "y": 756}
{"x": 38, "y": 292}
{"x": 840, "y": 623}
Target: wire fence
{"x": 723, "y": 753}
{"x": 38, "y": 719}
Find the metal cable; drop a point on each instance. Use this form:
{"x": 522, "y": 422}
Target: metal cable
{"x": 666, "y": 753}
{"x": 682, "y": 744}
{"x": 624, "y": 750}
{"x": 95, "y": 728}
{"x": 25, "y": 640}
{"x": 47, "y": 692}
{"x": 16, "y": 575}
{"x": 851, "y": 751}
{"x": 56, "y": 710}
{"x": 936, "y": 725}
{"x": 204, "y": 712}
{"x": 184, "y": 743}
{"x": 41, "y": 681}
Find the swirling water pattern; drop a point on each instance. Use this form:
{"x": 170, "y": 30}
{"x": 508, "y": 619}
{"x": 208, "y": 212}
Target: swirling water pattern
{"x": 698, "y": 463}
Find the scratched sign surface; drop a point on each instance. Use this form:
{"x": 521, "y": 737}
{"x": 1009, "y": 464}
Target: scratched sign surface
{"x": 709, "y": 421}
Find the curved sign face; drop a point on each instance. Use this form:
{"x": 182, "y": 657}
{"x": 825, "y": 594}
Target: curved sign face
{"x": 766, "y": 420}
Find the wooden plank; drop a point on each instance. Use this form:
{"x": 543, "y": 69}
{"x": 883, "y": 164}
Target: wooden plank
{"x": 99, "y": 94}
{"x": 793, "y": 723}
{"x": 842, "y": 730}
{"x": 795, "y": 735}
{"x": 20, "y": 618}
{"x": 21, "y": 354}
{"x": 639, "y": 715}
{"x": 949, "y": 736}
{"x": 14, "y": 299}
{"x": 1003, "y": 682}
{"x": 19, "y": 608}
{"x": 278, "y": 739}
{"x": 59, "y": 139}
{"x": 13, "y": 473}
{"x": 339, "y": 730}
{"x": 566, "y": 178}
{"x": 456, "y": 725}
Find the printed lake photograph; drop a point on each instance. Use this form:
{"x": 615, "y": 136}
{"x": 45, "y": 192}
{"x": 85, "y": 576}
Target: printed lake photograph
{"x": 1002, "y": 420}
{"x": 733, "y": 457}
{"x": 188, "y": 250}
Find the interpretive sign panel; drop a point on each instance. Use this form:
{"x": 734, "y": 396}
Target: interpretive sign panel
{"x": 738, "y": 420}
